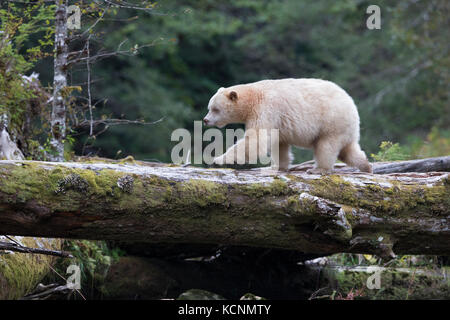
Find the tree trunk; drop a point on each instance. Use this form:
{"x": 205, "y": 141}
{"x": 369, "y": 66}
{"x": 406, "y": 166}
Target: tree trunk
{"x": 58, "y": 120}
{"x": 8, "y": 148}
{"x": 142, "y": 202}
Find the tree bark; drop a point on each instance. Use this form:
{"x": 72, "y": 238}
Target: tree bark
{"x": 144, "y": 202}
{"x": 58, "y": 120}
{"x": 8, "y": 148}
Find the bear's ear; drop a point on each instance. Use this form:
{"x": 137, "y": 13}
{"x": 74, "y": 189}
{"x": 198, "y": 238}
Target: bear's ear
{"x": 233, "y": 96}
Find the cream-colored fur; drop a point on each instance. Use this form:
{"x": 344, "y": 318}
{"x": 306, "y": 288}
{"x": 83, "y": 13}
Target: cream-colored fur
{"x": 309, "y": 113}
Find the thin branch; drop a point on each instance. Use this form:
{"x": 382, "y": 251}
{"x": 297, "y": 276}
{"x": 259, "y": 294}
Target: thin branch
{"x": 115, "y": 122}
{"x": 129, "y": 6}
{"x": 19, "y": 248}
{"x": 129, "y": 52}
{"x": 44, "y": 292}
{"x": 88, "y": 65}
{"x": 96, "y": 22}
{"x": 29, "y": 2}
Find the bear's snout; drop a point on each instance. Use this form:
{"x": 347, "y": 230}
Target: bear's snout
{"x": 205, "y": 121}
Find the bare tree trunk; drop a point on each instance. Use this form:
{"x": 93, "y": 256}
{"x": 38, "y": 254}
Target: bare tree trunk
{"x": 58, "y": 121}
{"x": 8, "y": 149}
{"x": 349, "y": 212}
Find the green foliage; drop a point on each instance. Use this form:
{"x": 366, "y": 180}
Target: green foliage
{"x": 21, "y": 100}
{"x": 12, "y": 88}
{"x": 437, "y": 143}
{"x": 403, "y": 261}
{"x": 94, "y": 259}
{"x": 390, "y": 152}
{"x": 18, "y": 24}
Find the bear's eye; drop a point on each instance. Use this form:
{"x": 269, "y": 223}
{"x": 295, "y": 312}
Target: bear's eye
{"x": 215, "y": 110}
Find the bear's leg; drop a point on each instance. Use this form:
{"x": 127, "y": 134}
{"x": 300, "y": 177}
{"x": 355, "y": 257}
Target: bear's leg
{"x": 284, "y": 157}
{"x": 325, "y": 155}
{"x": 236, "y": 154}
{"x": 280, "y": 161}
{"x": 244, "y": 151}
{"x": 352, "y": 155}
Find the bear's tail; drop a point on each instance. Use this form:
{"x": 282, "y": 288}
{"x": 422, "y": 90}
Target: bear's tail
{"x": 352, "y": 155}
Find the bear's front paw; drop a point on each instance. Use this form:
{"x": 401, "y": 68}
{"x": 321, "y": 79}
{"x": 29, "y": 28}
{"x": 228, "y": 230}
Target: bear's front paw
{"x": 220, "y": 161}
{"x": 269, "y": 170}
{"x": 320, "y": 171}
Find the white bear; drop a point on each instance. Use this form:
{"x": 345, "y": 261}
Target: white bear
{"x": 309, "y": 113}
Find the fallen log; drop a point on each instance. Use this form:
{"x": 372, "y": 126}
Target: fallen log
{"x": 439, "y": 164}
{"x": 151, "y": 203}
{"x": 420, "y": 165}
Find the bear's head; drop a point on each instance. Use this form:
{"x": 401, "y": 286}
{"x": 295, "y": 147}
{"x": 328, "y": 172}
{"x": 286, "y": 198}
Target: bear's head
{"x": 227, "y": 106}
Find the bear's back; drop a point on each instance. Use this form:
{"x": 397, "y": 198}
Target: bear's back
{"x": 306, "y": 108}
{"x": 302, "y": 84}
{"x": 324, "y": 96}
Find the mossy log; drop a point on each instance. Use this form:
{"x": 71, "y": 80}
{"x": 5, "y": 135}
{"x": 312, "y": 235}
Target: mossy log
{"x": 345, "y": 212}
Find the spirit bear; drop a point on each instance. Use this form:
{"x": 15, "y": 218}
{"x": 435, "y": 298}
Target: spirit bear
{"x": 309, "y": 113}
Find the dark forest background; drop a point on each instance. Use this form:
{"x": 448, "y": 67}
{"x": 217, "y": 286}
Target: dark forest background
{"x": 166, "y": 61}
{"x": 398, "y": 76}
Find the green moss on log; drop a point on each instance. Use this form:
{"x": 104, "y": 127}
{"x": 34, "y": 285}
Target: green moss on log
{"x": 45, "y": 185}
{"x": 277, "y": 187}
{"x": 27, "y": 183}
{"x": 202, "y": 192}
{"x": 397, "y": 199}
